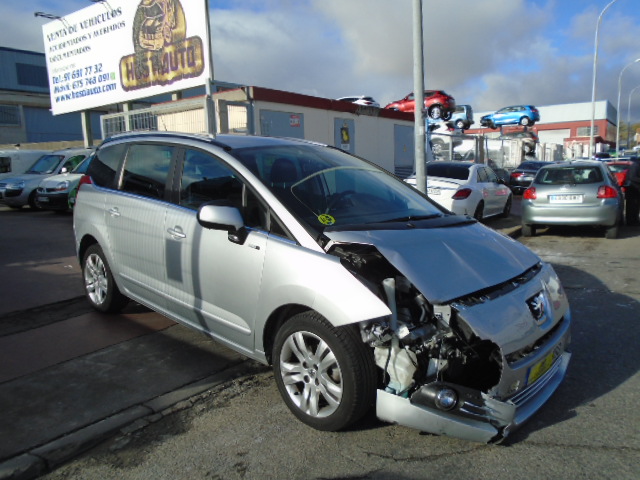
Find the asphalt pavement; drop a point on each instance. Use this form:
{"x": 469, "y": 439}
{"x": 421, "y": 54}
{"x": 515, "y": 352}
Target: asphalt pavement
{"x": 71, "y": 377}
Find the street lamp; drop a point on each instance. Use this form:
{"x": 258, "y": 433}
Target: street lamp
{"x": 593, "y": 89}
{"x": 618, "y": 118}
{"x": 629, "y": 115}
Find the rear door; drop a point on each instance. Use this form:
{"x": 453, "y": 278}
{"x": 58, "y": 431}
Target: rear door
{"x": 134, "y": 218}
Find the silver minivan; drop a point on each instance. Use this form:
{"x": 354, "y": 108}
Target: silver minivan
{"x": 359, "y": 291}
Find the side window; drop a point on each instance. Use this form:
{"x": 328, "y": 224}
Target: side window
{"x": 491, "y": 176}
{"x": 206, "y": 178}
{"x": 104, "y": 166}
{"x": 482, "y": 176}
{"x": 73, "y": 162}
{"x": 146, "y": 170}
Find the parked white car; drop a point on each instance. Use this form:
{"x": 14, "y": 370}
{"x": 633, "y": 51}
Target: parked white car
{"x": 58, "y": 192}
{"x": 467, "y": 188}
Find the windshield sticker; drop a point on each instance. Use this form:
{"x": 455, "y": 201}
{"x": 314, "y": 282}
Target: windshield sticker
{"x": 326, "y": 219}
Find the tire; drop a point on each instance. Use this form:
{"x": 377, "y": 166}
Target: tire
{"x": 479, "y": 213}
{"x": 99, "y": 286}
{"x": 525, "y": 121}
{"x": 460, "y": 124}
{"x": 446, "y": 115}
{"x": 507, "y": 208}
{"x": 325, "y": 394}
{"x": 612, "y": 233}
{"x": 435, "y": 112}
{"x": 527, "y": 148}
{"x": 528, "y": 230}
{"x": 437, "y": 146}
{"x": 32, "y": 201}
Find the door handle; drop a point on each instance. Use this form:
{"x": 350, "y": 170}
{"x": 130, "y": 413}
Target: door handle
{"x": 176, "y": 233}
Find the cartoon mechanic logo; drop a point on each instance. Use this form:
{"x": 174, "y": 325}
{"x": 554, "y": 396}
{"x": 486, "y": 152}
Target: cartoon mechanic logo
{"x": 163, "y": 52}
{"x": 158, "y": 23}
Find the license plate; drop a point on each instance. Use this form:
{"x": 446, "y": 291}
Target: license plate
{"x": 43, "y": 199}
{"x": 433, "y": 191}
{"x": 540, "y": 368}
{"x": 565, "y": 198}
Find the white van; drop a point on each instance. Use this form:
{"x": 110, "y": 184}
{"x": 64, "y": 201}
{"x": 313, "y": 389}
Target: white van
{"x": 15, "y": 162}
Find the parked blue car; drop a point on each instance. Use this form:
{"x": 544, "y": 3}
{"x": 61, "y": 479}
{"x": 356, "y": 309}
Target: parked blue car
{"x": 525, "y": 115}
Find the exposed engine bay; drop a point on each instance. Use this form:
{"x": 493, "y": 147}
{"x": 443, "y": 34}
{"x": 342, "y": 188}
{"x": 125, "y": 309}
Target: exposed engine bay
{"x": 428, "y": 355}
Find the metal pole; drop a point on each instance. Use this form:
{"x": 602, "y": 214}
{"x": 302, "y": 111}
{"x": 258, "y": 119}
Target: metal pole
{"x": 629, "y": 115}
{"x": 593, "y": 89}
{"x": 618, "y": 111}
{"x": 209, "y": 103}
{"x": 418, "y": 94}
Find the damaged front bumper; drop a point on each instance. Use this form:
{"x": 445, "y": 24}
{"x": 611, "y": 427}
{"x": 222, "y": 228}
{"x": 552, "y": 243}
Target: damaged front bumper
{"x": 476, "y": 416}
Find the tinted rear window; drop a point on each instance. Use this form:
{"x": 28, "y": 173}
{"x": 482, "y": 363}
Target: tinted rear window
{"x": 459, "y": 172}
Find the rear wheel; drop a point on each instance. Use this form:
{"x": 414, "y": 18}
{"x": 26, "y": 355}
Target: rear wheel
{"x": 525, "y": 121}
{"x": 99, "y": 286}
{"x": 460, "y": 124}
{"x": 528, "y": 230}
{"x": 507, "y": 208}
{"x": 326, "y": 375}
{"x": 479, "y": 213}
{"x": 612, "y": 232}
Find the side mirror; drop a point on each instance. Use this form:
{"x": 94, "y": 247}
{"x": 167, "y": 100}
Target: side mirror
{"x": 223, "y": 216}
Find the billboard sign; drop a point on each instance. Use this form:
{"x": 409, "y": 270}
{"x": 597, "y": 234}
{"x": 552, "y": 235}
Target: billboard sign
{"x": 123, "y": 50}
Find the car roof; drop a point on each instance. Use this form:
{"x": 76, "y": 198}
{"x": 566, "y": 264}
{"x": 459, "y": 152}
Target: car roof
{"x": 225, "y": 141}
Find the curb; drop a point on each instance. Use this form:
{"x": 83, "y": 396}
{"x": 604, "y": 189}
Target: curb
{"x": 43, "y": 459}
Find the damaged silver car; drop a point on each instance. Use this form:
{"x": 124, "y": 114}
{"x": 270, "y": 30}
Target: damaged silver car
{"x": 359, "y": 291}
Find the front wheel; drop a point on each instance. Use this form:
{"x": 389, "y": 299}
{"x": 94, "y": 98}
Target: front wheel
{"x": 525, "y": 121}
{"x": 326, "y": 375}
{"x": 101, "y": 290}
{"x": 460, "y": 124}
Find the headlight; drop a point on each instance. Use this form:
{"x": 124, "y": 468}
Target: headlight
{"x": 16, "y": 185}
{"x": 62, "y": 186}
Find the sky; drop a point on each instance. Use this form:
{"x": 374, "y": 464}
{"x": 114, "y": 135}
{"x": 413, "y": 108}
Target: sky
{"x": 485, "y": 53}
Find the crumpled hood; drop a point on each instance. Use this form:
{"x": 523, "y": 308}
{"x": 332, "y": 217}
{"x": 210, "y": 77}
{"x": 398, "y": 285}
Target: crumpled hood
{"x": 450, "y": 262}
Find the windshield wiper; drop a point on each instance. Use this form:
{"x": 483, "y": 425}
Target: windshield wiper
{"x": 413, "y": 218}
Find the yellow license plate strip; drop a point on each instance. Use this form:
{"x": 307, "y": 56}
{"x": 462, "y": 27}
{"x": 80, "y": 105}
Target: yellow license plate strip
{"x": 540, "y": 368}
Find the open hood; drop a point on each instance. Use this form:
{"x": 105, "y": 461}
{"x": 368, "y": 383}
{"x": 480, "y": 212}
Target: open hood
{"x": 446, "y": 263}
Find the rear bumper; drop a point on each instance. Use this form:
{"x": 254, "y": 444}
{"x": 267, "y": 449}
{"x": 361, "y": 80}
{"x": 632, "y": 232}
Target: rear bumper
{"x": 606, "y": 215}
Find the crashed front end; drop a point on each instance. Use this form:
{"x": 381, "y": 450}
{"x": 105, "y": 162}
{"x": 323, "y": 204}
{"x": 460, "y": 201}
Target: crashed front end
{"x": 475, "y": 366}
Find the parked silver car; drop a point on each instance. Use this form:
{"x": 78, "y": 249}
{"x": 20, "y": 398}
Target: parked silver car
{"x": 355, "y": 287}
{"x": 20, "y": 190}
{"x": 573, "y": 193}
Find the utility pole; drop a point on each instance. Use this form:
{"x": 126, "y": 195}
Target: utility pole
{"x": 418, "y": 94}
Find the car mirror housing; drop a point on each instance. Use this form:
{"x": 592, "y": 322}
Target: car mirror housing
{"x": 220, "y": 216}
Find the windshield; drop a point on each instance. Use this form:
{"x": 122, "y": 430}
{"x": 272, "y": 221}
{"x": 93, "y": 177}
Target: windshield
{"x": 324, "y": 187}
{"x": 45, "y": 164}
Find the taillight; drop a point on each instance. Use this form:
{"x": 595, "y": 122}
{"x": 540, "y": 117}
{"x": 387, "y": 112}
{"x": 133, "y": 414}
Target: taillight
{"x": 517, "y": 174}
{"x": 605, "y": 191}
{"x": 462, "y": 194}
{"x": 530, "y": 194}
{"x": 84, "y": 180}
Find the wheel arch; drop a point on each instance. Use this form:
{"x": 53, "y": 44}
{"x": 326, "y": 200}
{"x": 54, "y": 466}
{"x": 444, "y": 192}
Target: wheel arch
{"x": 275, "y": 321}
